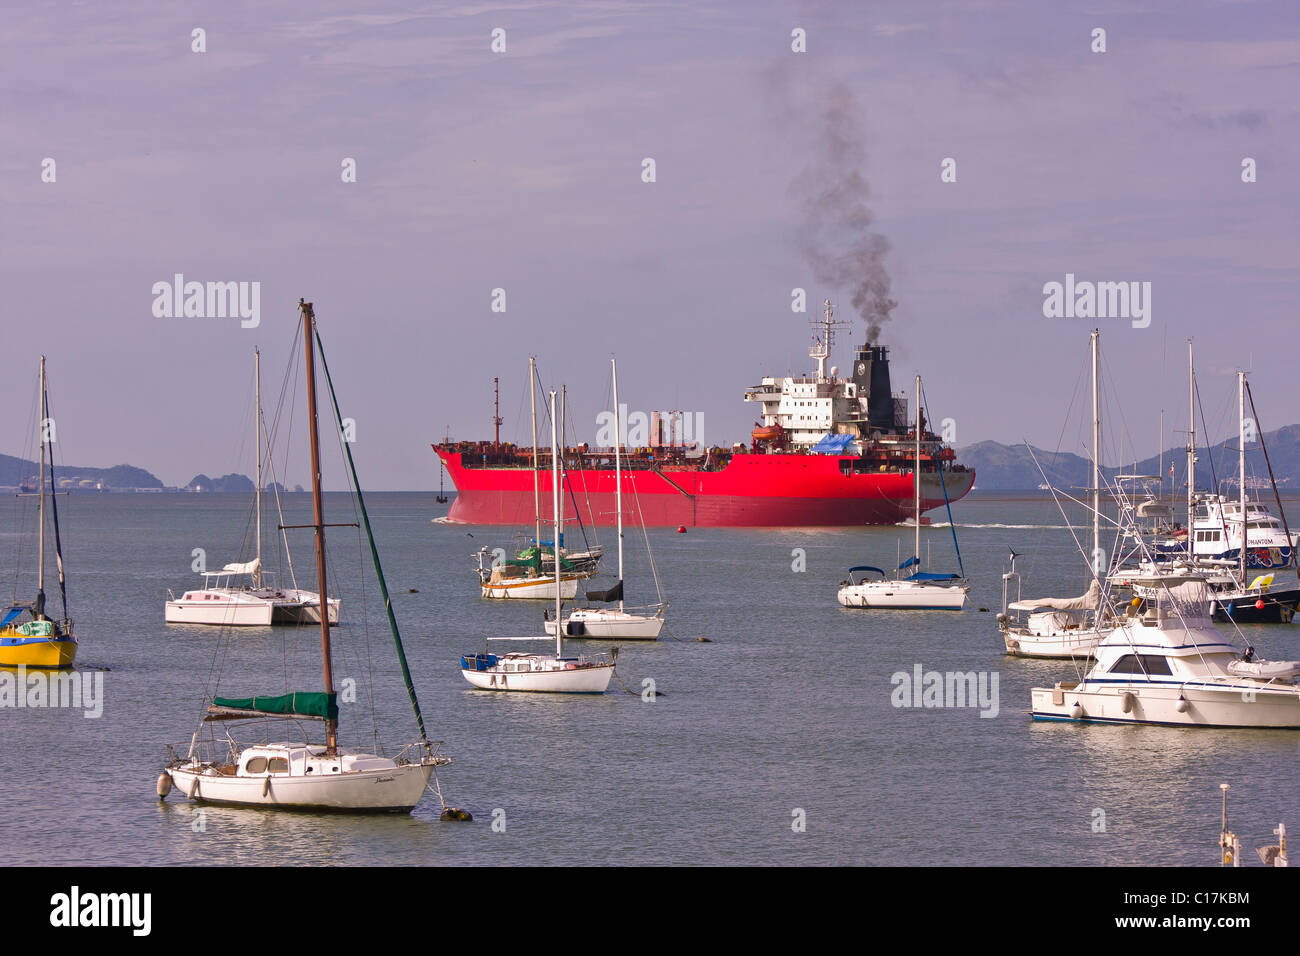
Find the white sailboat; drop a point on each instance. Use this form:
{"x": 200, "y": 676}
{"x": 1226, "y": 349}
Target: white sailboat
{"x": 540, "y": 673}
{"x": 534, "y": 574}
{"x": 622, "y": 622}
{"x": 1062, "y": 627}
{"x": 224, "y": 603}
{"x": 305, "y": 775}
{"x": 870, "y": 587}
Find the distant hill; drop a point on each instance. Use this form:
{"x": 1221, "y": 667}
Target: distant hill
{"x": 1001, "y": 467}
{"x": 14, "y": 470}
{"x": 224, "y": 485}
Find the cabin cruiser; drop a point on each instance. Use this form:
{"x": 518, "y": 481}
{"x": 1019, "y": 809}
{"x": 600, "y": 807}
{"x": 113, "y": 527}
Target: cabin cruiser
{"x": 1166, "y": 663}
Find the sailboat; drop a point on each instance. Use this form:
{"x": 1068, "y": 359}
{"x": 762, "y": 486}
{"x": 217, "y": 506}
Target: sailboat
{"x": 638, "y": 623}
{"x": 869, "y": 586}
{"x": 540, "y": 673}
{"x": 1062, "y": 627}
{"x": 39, "y": 641}
{"x": 257, "y": 604}
{"x": 1236, "y": 593}
{"x": 527, "y": 576}
{"x": 306, "y": 775}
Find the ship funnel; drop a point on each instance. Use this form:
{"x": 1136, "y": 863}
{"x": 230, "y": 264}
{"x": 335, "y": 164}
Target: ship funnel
{"x": 871, "y": 376}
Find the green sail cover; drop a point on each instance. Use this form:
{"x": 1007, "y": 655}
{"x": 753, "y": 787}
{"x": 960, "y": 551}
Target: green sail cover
{"x": 298, "y": 704}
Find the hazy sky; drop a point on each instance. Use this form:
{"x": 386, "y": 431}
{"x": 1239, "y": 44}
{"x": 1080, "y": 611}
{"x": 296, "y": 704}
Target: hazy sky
{"x": 522, "y": 170}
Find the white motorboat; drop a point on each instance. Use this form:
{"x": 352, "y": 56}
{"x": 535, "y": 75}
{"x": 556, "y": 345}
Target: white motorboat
{"x": 622, "y": 622}
{"x": 870, "y": 587}
{"x": 305, "y": 775}
{"x": 224, "y": 603}
{"x": 540, "y": 673}
{"x": 1166, "y": 663}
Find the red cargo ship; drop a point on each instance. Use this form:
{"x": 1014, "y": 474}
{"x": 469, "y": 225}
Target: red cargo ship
{"x": 829, "y": 451}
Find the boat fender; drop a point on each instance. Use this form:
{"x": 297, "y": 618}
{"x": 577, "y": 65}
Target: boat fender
{"x": 1259, "y": 605}
{"x": 266, "y": 787}
{"x": 576, "y": 628}
{"x": 1077, "y": 710}
{"x": 194, "y": 790}
{"x": 1181, "y": 706}
{"x": 455, "y": 813}
{"x": 1128, "y": 700}
{"x": 164, "y": 785}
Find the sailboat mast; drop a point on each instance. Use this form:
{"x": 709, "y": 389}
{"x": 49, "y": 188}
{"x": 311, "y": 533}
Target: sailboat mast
{"x": 42, "y": 432}
{"x": 555, "y": 513}
{"x": 618, "y": 478}
{"x": 916, "y": 474}
{"x": 537, "y": 492}
{"x": 1191, "y": 452}
{"x": 1096, "y": 458}
{"x": 257, "y": 438}
{"x": 318, "y": 519}
{"x": 1241, "y": 467}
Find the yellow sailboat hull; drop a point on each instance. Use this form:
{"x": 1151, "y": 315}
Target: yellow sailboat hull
{"x": 18, "y": 650}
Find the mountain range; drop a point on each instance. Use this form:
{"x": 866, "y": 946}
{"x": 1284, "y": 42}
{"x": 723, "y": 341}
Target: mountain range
{"x": 1000, "y": 467}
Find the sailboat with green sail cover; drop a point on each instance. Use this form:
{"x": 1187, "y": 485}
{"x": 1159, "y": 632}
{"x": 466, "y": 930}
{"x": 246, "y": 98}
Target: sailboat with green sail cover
{"x": 306, "y": 775}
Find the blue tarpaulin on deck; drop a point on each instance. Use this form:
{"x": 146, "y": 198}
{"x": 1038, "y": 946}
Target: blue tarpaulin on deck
{"x": 832, "y": 445}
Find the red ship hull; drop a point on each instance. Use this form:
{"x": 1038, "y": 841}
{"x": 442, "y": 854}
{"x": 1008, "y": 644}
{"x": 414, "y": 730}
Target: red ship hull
{"x": 782, "y": 490}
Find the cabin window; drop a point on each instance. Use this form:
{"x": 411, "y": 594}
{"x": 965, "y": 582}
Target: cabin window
{"x": 1142, "y": 664}
{"x": 256, "y": 765}
{"x": 278, "y": 765}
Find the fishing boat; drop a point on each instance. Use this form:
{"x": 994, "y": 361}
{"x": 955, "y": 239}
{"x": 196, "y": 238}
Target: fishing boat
{"x": 1063, "y": 627}
{"x": 29, "y": 637}
{"x": 306, "y": 775}
{"x": 622, "y": 622}
{"x": 869, "y": 586}
{"x": 223, "y": 602}
{"x": 540, "y": 673}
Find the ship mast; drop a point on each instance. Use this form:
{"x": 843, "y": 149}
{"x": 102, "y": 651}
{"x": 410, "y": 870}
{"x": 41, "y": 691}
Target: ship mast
{"x": 618, "y": 479}
{"x": 1241, "y": 468}
{"x": 318, "y": 522}
{"x": 257, "y": 437}
{"x": 40, "y": 564}
{"x": 496, "y": 414}
{"x": 916, "y": 480}
{"x": 537, "y": 494}
{"x": 557, "y": 502}
{"x": 1096, "y": 460}
{"x": 1191, "y": 452}
{"x": 822, "y": 350}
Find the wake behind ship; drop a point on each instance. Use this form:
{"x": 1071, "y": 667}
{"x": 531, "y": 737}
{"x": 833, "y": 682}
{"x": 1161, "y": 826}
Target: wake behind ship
{"x": 829, "y": 451}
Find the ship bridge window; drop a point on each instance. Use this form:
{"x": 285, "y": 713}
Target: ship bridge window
{"x": 1142, "y": 664}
